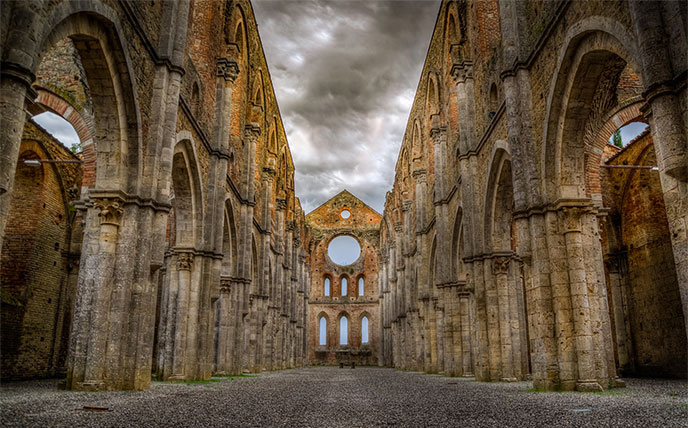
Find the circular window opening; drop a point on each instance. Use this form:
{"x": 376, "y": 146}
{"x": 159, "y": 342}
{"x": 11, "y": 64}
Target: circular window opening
{"x": 345, "y": 214}
{"x": 344, "y": 250}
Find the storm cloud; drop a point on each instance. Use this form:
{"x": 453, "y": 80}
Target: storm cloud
{"x": 345, "y": 74}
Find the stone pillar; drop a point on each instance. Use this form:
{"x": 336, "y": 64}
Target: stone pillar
{"x": 181, "y": 315}
{"x": 87, "y": 361}
{"x": 580, "y": 301}
{"x": 15, "y": 89}
{"x": 465, "y": 353}
{"x": 16, "y": 77}
{"x": 500, "y": 270}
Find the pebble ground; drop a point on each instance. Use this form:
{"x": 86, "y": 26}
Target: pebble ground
{"x": 334, "y": 397}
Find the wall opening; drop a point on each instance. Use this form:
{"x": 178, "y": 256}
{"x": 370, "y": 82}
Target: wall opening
{"x": 344, "y": 250}
{"x": 323, "y": 332}
{"x": 343, "y": 331}
{"x": 364, "y": 331}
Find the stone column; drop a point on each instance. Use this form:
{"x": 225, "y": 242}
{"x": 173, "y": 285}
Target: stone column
{"x": 181, "y": 315}
{"x": 87, "y": 361}
{"x": 16, "y": 77}
{"x": 15, "y": 89}
{"x": 580, "y": 300}
{"x": 500, "y": 270}
{"x": 226, "y": 326}
{"x": 466, "y": 329}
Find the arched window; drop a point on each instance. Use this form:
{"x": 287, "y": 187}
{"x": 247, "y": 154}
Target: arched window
{"x": 361, "y": 286}
{"x": 344, "y": 283}
{"x": 327, "y": 287}
{"x": 323, "y": 331}
{"x": 343, "y": 331}
{"x": 364, "y": 331}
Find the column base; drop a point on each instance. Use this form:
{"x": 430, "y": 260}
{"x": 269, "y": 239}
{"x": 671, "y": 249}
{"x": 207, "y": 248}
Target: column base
{"x": 588, "y": 386}
{"x": 89, "y": 386}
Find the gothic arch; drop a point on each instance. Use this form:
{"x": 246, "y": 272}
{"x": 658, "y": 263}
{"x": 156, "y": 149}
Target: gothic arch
{"x": 187, "y": 201}
{"x": 229, "y": 241}
{"x": 97, "y": 35}
{"x": 458, "y": 247}
{"x": 418, "y": 156}
{"x": 432, "y": 102}
{"x": 499, "y": 201}
{"x": 586, "y": 52}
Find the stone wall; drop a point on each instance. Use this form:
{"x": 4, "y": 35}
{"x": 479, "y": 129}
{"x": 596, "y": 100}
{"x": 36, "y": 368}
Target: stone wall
{"x": 192, "y": 249}
{"x": 640, "y": 269}
{"x": 36, "y": 260}
{"x": 325, "y": 224}
{"x": 500, "y": 167}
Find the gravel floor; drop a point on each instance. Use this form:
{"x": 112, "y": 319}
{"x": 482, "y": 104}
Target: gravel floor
{"x": 333, "y": 397}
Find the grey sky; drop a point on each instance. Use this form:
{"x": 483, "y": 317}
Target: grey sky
{"x": 345, "y": 74}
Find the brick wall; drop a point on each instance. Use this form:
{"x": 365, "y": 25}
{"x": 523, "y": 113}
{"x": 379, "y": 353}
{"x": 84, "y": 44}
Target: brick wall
{"x": 34, "y": 261}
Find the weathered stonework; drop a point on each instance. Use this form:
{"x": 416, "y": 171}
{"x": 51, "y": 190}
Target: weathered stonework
{"x": 190, "y": 261}
{"x": 330, "y": 302}
{"x": 515, "y": 242}
{"x": 492, "y": 259}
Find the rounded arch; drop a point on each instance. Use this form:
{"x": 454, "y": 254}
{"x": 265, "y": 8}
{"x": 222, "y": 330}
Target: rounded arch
{"x": 96, "y": 33}
{"x": 589, "y": 47}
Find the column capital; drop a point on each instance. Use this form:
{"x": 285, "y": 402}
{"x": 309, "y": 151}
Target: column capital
{"x": 500, "y": 265}
{"x": 569, "y": 218}
{"x": 438, "y": 133}
{"x": 184, "y": 261}
{"x": 252, "y": 131}
{"x": 405, "y": 206}
{"x": 111, "y": 210}
{"x": 398, "y": 226}
{"x": 281, "y": 204}
{"x": 420, "y": 174}
{"x": 268, "y": 173}
{"x": 462, "y": 71}
{"x": 227, "y": 69}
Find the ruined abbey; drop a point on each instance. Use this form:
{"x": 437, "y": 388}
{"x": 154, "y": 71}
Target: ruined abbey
{"x": 516, "y": 243}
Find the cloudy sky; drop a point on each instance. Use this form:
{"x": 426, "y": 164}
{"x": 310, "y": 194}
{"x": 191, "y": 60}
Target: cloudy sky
{"x": 345, "y": 74}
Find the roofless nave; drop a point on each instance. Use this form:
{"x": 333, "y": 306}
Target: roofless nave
{"x": 515, "y": 243}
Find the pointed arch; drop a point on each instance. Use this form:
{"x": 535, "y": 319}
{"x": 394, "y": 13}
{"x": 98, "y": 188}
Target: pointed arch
{"x": 584, "y": 57}
{"x": 343, "y": 324}
{"x": 187, "y": 197}
{"x": 432, "y": 102}
{"x": 499, "y": 200}
{"x": 229, "y": 241}
{"x": 323, "y": 320}
{"x": 418, "y": 156}
{"x": 96, "y": 33}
